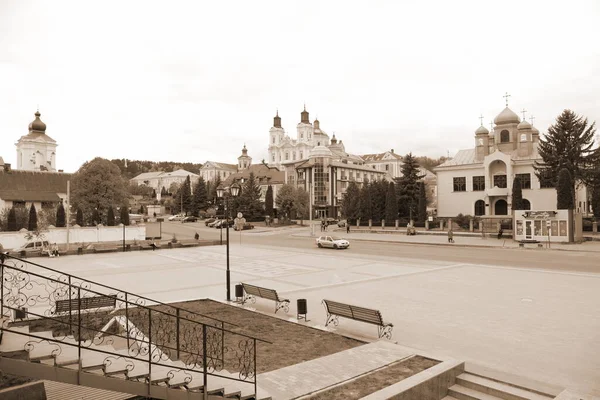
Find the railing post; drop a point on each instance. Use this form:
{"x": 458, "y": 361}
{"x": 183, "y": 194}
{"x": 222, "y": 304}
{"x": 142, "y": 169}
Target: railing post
{"x": 70, "y": 308}
{"x": 149, "y": 350}
{"x": 2, "y": 294}
{"x": 223, "y": 343}
{"x": 127, "y": 321}
{"x": 255, "y": 371}
{"x": 177, "y": 339}
{"x": 204, "y": 366}
{"x": 79, "y": 332}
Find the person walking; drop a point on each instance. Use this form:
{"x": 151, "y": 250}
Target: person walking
{"x": 450, "y": 236}
{"x": 347, "y": 227}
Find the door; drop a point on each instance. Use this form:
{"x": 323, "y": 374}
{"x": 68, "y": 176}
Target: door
{"x": 528, "y": 229}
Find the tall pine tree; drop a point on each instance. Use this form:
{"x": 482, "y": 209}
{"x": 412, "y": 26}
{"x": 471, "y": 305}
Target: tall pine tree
{"x": 200, "y": 197}
{"x": 95, "y": 217}
{"x": 79, "y": 217}
{"x": 378, "y": 195}
{"x": 125, "y": 215}
{"x": 110, "y": 217}
{"x": 391, "y": 205}
{"x": 517, "y": 194}
{"x": 596, "y": 200}
{"x": 365, "y": 208}
{"x": 568, "y": 144}
{"x": 60, "y": 216}
{"x": 565, "y": 199}
{"x": 12, "y": 220}
{"x": 250, "y": 199}
{"x": 269, "y": 202}
{"x": 408, "y": 186}
{"x": 32, "y": 225}
{"x": 422, "y": 203}
{"x": 184, "y": 196}
{"x": 351, "y": 203}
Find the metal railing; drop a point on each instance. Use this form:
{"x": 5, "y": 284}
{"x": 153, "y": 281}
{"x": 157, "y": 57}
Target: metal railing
{"x": 154, "y": 333}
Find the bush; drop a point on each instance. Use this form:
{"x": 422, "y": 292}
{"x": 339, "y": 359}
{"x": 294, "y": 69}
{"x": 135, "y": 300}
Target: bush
{"x": 462, "y": 220}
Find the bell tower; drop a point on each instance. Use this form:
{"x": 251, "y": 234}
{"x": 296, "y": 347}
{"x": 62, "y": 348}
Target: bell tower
{"x": 36, "y": 151}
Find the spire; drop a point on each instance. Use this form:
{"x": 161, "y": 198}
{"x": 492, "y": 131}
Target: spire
{"x": 244, "y": 150}
{"x": 277, "y": 120}
{"x": 304, "y": 116}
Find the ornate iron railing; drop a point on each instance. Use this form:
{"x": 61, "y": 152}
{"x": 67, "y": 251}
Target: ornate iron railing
{"x": 154, "y": 333}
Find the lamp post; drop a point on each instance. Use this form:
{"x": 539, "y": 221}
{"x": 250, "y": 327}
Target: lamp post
{"x": 234, "y": 190}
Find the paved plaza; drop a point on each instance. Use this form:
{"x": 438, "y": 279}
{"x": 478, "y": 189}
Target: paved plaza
{"x": 543, "y": 325}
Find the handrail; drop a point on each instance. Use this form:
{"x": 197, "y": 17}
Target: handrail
{"x": 122, "y": 291}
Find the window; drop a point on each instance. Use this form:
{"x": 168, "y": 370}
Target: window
{"x": 301, "y": 156}
{"x": 302, "y": 136}
{"x": 500, "y": 181}
{"x": 287, "y": 156}
{"x": 504, "y": 136}
{"x": 294, "y": 155}
{"x": 273, "y": 139}
{"x": 478, "y": 183}
{"x": 523, "y": 137}
{"x": 480, "y": 207}
{"x": 546, "y": 181}
{"x": 526, "y": 204}
{"x": 387, "y": 167}
{"x": 525, "y": 180}
{"x": 273, "y": 158}
{"x": 460, "y": 184}
{"x": 344, "y": 185}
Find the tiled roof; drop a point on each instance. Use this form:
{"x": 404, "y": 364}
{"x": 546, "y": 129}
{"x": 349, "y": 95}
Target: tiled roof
{"x": 161, "y": 174}
{"x": 379, "y": 156}
{"x": 32, "y": 185}
{"x": 463, "y": 157}
{"x": 22, "y": 195}
{"x": 214, "y": 164}
{"x": 147, "y": 175}
{"x": 261, "y": 171}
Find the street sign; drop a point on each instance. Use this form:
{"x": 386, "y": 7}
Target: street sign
{"x": 240, "y": 215}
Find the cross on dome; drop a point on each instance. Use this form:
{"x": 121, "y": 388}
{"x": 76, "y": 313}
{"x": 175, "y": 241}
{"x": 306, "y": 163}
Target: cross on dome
{"x": 523, "y": 111}
{"x": 506, "y": 96}
{"x": 481, "y": 119}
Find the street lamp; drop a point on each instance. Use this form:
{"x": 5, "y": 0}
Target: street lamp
{"x": 234, "y": 190}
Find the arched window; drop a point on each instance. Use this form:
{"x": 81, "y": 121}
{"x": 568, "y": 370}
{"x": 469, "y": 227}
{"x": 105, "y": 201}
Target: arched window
{"x": 501, "y": 207}
{"x": 480, "y": 207}
{"x": 523, "y": 137}
{"x": 504, "y": 136}
{"x": 526, "y": 204}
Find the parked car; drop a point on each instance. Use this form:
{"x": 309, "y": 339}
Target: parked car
{"x": 223, "y": 224}
{"x": 342, "y": 223}
{"x": 332, "y": 242}
{"x": 32, "y": 247}
{"x": 209, "y": 221}
{"x": 214, "y": 223}
{"x": 189, "y": 218}
{"x": 245, "y": 227}
{"x": 177, "y": 217}
{"x": 331, "y": 221}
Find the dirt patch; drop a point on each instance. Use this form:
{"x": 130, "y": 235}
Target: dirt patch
{"x": 377, "y": 380}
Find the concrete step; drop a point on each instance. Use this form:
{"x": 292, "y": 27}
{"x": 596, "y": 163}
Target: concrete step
{"x": 462, "y": 393}
{"x": 496, "y": 388}
{"x": 14, "y": 339}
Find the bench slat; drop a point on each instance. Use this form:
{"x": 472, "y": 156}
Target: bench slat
{"x": 269, "y": 294}
{"x": 354, "y": 312}
{"x": 86, "y": 303}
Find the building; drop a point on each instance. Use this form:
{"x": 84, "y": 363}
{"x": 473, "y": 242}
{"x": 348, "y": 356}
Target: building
{"x": 211, "y": 170}
{"x": 160, "y": 180}
{"x": 478, "y": 181}
{"x": 36, "y": 151}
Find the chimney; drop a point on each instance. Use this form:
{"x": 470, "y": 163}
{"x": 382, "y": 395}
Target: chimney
{"x": 6, "y": 167}
{"x": 392, "y": 151}
{"x": 61, "y": 170}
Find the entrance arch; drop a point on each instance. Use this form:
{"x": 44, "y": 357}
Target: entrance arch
{"x": 480, "y": 207}
{"x": 526, "y": 204}
{"x": 501, "y": 207}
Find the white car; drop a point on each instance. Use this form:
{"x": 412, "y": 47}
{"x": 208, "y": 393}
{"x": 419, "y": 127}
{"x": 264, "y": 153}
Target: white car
{"x": 177, "y": 217}
{"x": 333, "y": 242}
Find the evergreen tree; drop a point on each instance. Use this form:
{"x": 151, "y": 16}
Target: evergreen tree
{"x": 153, "y": 193}
{"x": 79, "y": 217}
{"x": 391, "y": 204}
{"x": 301, "y": 200}
{"x": 212, "y": 193}
{"x": 565, "y": 192}
{"x": 378, "y": 197}
{"x": 60, "y": 216}
{"x": 285, "y": 200}
{"x": 595, "y": 200}
{"x": 184, "y": 197}
{"x": 517, "y": 194}
{"x": 163, "y": 192}
{"x": 250, "y": 199}
{"x": 95, "y": 217}
{"x": 365, "y": 208}
{"x": 269, "y": 202}
{"x": 33, "y": 225}
{"x": 568, "y": 144}
{"x": 200, "y": 197}
{"x": 12, "y": 220}
{"x": 110, "y": 217}
{"x": 141, "y": 210}
{"x": 351, "y": 203}
{"x": 408, "y": 186}
{"x": 422, "y": 203}
{"x": 125, "y": 215}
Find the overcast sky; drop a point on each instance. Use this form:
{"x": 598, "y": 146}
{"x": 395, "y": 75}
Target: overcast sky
{"x": 195, "y": 80}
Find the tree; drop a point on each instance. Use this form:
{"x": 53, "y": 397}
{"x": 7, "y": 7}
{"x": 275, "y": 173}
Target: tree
{"x": 596, "y": 200}
{"x": 565, "y": 191}
{"x": 95, "y": 219}
{"x": 32, "y": 226}
{"x": 351, "y": 203}
{"x": 568, "y": 144}
{"x": 163, "y": 192}
{"x": 60, "y": 216}
{"x": 391, "y": 204}
{"x": 183, "y": 197}
{"x": 153, "y": 193}
{"x": 250, "y": 199}
{"x": 378, "y": 196}
{"x": 422, "y": 203}
{"x": 110, "y": 217}
{"x": 301, "y": 202}
{"x": 408, "y": 186}
{"x": 200, "y": 197}
{"x": 365, "y": 211}
{"x": 124, "y": 215}
{"x": 79, "y": 217}
{"x": 174, "y": 188}
{"x": 96, "y": 185}
{"x": 269, "y": 202}
{"x": 12, "y": 220}
{"x": 517, "y": 194}
{"x": 285, "y": 200}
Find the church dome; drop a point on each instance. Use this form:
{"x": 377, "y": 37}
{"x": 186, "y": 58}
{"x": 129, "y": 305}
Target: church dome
{"x": 524, "y": 125}
{"x": 482, "y": 130}
{"x": 37, "y": 124}
{"x": 507, "y": 116}
{"x": 320, "y": 151}
{"x": 535, "y": 130}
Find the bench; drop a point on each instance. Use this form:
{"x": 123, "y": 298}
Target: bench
{"x": 85, "y": 303}
{"x": 149, "y": 246}
{"x": 105, "y": 248}
{"x": 335, "y": 310}
{"x": 255, "y": 291}
{"x": 523, "y": 242}
{"x": 188, "y": 243}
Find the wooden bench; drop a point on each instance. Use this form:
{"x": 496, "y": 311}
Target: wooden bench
{"x": 255, "y": 291}
{"x": 85, "y": 303}
{"x": 104, "y": 248}
{"x": 335, "y": 310}
{"x": 523, "y": 242}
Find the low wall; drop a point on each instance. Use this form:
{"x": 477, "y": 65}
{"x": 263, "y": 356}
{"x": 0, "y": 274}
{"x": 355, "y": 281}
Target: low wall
{"x": 27, "y": 391}
{"x": 92, "y": 234}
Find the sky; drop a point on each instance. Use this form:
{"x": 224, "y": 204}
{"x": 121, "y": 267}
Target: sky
{"x": 191, "y": 81}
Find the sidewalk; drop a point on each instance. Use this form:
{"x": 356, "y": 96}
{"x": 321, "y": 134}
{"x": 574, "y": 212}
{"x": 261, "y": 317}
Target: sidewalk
{"x": 461, "y": 239}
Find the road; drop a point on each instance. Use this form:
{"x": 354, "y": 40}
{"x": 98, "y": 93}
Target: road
{"x": 544, "y": 259}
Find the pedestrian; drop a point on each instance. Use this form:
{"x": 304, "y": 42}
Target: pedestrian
{"x": 450, "y": 236}
{"x": 500, "y": 232}
{"x": 347, "y": 227}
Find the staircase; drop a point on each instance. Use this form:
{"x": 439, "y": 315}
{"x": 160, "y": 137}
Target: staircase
{"x": 470, "y": 386}
{"x": 146, "y": 349}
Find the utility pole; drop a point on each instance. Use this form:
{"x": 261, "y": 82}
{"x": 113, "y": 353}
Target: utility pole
{"x": 68, "y": 210}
